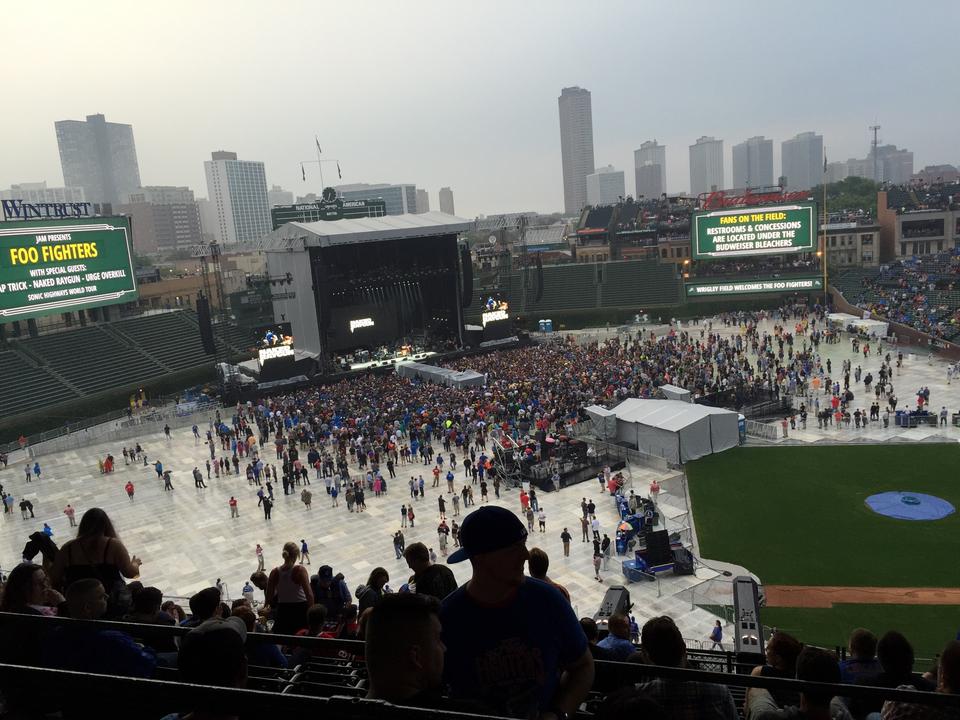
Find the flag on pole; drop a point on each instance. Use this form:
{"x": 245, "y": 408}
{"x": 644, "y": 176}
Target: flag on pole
{"x": 339, "y": 174}
{"x": 317, "y": 141}
{"x": 304, "y": 172}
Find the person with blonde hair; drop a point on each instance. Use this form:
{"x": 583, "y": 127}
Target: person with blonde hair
{"x": 288, "y": 591}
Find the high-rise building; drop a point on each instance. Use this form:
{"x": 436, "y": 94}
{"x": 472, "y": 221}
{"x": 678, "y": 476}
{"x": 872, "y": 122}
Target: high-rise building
{"x": 399, "y": 199}
{"x": 896, "y": 165}
{"x": 576, "y": 146}
{"x": 160, "y": 195}
{"x": 98, "y": 156}
{"x": 238, "y": 192}
{"x": 605, "y": 186}
{"x": 801, "y": 161}
{"x": 650, "y": 169}
{"x": 423, "y": 201}
{"x": 276, "y": 195}
{"x": 164, "y": 218}
{"x": 706, "y": 165}
{"x": 753, "y": 163}
{"x": 446, "y": 201}
{"x": 38, "y": 192}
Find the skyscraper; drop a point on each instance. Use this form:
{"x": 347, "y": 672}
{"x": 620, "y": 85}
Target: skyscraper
{"x": 753, "y": 163}
{"x": 801, "y": 161}
{"x": 576, "y": 146}
{"x": 706, "y": 165}
{"x": 165, "y": 218}
{"x": 399, "y": 199}
{"x": 650, "y": 169}
{"x": 446, "y": 201}
{"x": 423, "y": 201}
{"x": 606, "y": 186}
{"x": 98, "y": 156}
{"x": 238, "y": 193}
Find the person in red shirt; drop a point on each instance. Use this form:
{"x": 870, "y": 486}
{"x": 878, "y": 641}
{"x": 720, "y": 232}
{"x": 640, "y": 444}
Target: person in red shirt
{"x": 129, "y": 488}
{"x": 234, "y": 512}
{"x": 524, "y": 501}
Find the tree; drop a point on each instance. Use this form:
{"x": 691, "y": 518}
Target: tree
{"x": 852, "y": 193}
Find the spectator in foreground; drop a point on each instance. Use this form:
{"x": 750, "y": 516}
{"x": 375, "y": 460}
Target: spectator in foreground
{"x": 948, "y": 682}
{"x": 404, "y": 651}
{"x": 429, "y": 579}
{"x": 88, "y": 649}
{"x": 213, "y": 654}
{"x": 329, "y": 591}
{"x": 813, "y": 665}
{"x": 617, "y": 640}
{"x": 863, "y": 657}
{"x": 589, "y": 627}
{"x": 662, "y": 644}
{"x": 27, "y": 591}
{"x": 513, "y": 643}
{"x": 266, "y": 654}
{"x": 289, "y": 593}
{"x": 538, "y": 564}
{"x": 95, "y": 553}
{"x": 204, "y": 605}
{"x": 781, "y": 653}
{"x": 896, "y": 658}
{"x": 372, "y": 593}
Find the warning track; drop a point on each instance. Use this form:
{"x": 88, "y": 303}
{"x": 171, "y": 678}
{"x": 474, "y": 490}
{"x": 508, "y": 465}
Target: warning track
{"x": 812, "y": 596}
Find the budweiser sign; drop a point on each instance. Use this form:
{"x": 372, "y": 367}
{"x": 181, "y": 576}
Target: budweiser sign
{"x": 720, "y": 199}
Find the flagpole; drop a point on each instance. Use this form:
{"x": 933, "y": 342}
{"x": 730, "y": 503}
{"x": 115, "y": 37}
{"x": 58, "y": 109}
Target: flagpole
{"x": 320, "y": 165}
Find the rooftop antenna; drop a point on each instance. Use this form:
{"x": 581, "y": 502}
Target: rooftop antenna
{"x": 874, "y": 129}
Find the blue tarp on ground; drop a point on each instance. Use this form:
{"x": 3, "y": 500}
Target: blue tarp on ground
{"x": 910, "y": 506}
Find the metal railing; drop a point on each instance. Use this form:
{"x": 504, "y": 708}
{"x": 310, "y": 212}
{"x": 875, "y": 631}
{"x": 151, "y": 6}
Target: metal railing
{"x": 82, "y": 692}
{"x": 765, "y": 431}
{"x": 116, "y": 426}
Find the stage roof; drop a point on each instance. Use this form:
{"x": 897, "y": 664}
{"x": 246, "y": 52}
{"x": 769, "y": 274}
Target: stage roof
{"x": 327, "y": 233}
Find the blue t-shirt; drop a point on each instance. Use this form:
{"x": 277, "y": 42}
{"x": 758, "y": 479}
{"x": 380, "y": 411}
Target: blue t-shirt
{"x": 510, "y": 658}
{"x": 621, "y": 649}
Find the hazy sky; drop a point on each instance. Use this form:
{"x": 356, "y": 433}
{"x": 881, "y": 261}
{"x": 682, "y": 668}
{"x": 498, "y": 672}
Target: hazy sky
{"x": 465, "y": 94}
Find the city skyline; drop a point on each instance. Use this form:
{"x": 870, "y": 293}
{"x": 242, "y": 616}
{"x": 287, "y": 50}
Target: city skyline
{"x": 492, "y": 133}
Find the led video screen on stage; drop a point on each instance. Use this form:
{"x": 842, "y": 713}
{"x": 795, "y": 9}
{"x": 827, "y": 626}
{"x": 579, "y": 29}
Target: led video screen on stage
{"x": 388, "y": 293}
{"x": 56, "y": 266}
{"x": 739, "y": 232}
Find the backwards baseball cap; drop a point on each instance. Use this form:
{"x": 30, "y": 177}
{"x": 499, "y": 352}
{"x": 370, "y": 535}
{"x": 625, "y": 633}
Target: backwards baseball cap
{"x": 213, "y": 652}
{"x": 487, "y": 529}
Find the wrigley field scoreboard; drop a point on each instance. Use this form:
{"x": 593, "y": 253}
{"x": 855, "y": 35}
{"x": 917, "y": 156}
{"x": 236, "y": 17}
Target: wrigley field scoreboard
{"x": 767, "y": 230}
{"x": 59, "y": 265}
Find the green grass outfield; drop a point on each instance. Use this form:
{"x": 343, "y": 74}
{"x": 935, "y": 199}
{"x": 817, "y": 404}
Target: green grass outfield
{"x": 928, "y": 627}
{"x": 797, "y": 516}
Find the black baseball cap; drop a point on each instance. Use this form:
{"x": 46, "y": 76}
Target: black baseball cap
{"x": 487, "y": 529}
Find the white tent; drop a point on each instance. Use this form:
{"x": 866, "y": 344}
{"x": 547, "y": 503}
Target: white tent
{"x": 672, "y": 392}
{"x": 675, "y": 431}
{"x": 604, "y": 422}
{"x": 840, "y": 320}
{"x": 871, "y": 327}
{"x": 439, "y": 375}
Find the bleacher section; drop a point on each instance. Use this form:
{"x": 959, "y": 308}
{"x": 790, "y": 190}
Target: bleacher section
{"x": 24, "y": 386}
{"x": 334, "y": 678}
{"x": 101, "y": 358}
{"x": 93, "y": 360}
{"x": 639, "y": 284}
{"x": 169, "y": 338}
{"x": 599, "y": 217}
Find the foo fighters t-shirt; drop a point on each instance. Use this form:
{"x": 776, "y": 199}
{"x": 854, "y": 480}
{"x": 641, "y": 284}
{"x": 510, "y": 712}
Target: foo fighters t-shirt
{"x": 509, "y": 658}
